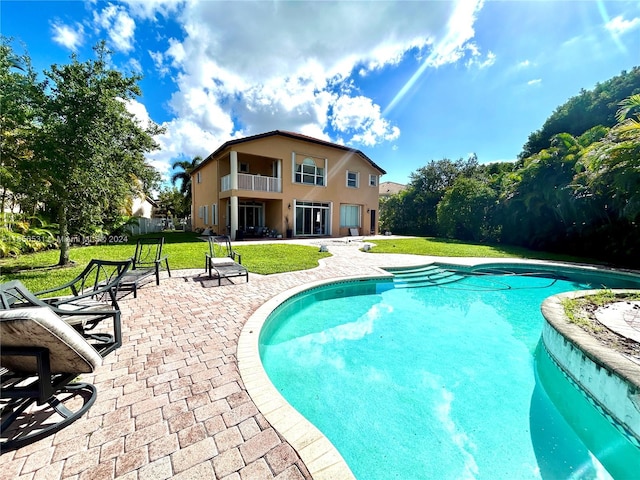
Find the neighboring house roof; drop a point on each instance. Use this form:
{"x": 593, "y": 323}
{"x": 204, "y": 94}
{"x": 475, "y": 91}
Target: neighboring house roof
{"x": 391, "y": 188}
{"x": 143, "y": 206}
{"x": 283, "y": 133}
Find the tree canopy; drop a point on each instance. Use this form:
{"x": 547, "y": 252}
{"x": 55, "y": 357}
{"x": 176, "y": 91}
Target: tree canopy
{"x": 579, "y": 194}
{"x": 585, "y": 110}
{"x": 84, "y": 154}
{"x": 183, "y": 175}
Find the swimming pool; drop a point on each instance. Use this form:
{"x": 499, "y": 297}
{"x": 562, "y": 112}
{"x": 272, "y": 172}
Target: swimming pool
{"x": 440, "y": 382}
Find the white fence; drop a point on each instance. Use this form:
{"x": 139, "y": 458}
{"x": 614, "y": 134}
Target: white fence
{"x": 150, "y": 225}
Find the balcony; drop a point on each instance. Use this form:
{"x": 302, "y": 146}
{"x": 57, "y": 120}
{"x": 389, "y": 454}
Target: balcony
{"x": 255, "y": 183}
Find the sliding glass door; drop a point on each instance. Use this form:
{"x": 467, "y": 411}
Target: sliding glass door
{"x": 312, "y": 218}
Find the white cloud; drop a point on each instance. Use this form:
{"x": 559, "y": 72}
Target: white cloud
{"x": 147, "y": 9}
{"x": 524, "y": 64}
{"x": 536, "y": 81}
{"x": 476, "y": 60}
{"x": 182, "y": 138}
{"x": 248, "y": 67}
{"x": 619, "y": 26}
{"x": 119, "y": 25}
{"x": 68, "y": 36}
{"x": 362, "y": 117}
{"x": 139, "y": 111}
{"x": 489, "y": 60}
{"x": 453, "y": 44}
{"x": 159, "y": 63}
{"x": 135, "y": 65}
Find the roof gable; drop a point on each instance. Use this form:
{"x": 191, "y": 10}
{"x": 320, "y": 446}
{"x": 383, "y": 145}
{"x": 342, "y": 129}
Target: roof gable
{"x": 292, "y": 135}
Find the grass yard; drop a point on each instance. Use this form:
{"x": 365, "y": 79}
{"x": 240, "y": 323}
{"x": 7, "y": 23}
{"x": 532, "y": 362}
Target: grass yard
{"x": 185, "y": 250}
{"x": 441, "y": 247}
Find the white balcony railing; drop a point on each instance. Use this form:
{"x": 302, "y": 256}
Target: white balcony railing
{"x": 256, "y": 183}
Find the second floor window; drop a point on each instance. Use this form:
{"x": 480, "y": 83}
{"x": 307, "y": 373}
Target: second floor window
{"x": 352, "y": 179}
{"x": 309, "y": 173}
{"x": 373, "y": 180}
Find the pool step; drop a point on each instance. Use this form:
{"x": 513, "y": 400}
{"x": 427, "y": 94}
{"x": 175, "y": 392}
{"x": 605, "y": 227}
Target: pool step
{"x": 424, "y": 277}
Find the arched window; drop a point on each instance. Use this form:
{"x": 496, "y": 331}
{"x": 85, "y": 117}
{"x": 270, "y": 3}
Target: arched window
{"x": 310, "y": 172}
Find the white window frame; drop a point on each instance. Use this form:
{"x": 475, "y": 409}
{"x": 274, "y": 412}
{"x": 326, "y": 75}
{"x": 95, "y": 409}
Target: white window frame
{"x": 348, "y": 210}
{"x": 373, "y": 180}
{"x": 357, "y": 179}
{"x": 214, "y": 214}
{"x": 198, "y": 177}
{"x": 301, "y": 174}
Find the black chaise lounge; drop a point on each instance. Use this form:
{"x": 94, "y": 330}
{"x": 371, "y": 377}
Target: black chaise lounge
{"x": 222, "y": 261}
{"x": 88, "y": 302}
{"x": 40, "y": 357}
{"x": 146, "y": 263}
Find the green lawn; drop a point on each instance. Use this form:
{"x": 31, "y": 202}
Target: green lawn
{"x": 441, "y": 247}
{"x": 185, "y": 250}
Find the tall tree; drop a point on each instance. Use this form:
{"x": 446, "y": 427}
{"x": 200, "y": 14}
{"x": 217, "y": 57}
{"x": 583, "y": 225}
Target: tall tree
{"x": 591, "y": 107}
{"x": 184, "y": 176}
{"x": 464, "y": 210}
{"x": 20, "y": 97}
{"x": 173, "y": 201}
{"x": 90, "y": 149}
{"x": 608, "y": 189}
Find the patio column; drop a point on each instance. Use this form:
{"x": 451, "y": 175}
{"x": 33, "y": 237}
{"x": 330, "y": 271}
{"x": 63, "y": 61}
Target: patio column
{"x": 279, "y": 174}
{"x": 234, "y": 216}
{"x": 233, "y": 160}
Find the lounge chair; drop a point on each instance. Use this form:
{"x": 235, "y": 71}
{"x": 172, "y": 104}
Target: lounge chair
{"x": 147, "y": 262}
{"x": 40, "y": 356}
{"x": 88, "y": 302}
{"x": 222, "y": 261}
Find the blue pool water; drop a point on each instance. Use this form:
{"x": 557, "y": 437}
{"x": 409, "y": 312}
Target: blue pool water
{"x": 444, "y": 382}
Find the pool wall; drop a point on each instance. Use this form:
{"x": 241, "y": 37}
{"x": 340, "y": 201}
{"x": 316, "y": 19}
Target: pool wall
{"x": 610, "y": 379}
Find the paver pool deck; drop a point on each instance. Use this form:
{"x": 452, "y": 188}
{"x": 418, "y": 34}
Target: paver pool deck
{"x": 171, "y": 402}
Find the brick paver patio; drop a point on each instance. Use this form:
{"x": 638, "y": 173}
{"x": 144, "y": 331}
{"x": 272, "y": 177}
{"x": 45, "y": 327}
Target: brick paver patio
{"x": 171, "y": 403}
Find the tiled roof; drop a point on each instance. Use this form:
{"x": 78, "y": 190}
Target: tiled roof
{"x": 293, "y": 135}
{"x": 391, "y": 188}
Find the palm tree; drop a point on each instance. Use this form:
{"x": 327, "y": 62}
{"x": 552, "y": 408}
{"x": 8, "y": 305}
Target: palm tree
{"x": 622, "y": 115}
{"x": 185, "y": 176}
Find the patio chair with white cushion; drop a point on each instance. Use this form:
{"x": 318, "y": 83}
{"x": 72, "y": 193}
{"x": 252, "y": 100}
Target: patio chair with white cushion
{"x": 40, "y": 357}
{"x": 88, "y": 302}
{"x": 222, "y": 261}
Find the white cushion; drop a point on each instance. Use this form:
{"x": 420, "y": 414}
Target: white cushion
{"x": 221, "y": 261}
{"x": 41, "y": 327}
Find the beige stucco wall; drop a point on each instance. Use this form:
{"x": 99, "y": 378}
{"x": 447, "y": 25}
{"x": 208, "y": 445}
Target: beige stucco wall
{"x": 203, "y": 193}
{"x": 263, "y": 153}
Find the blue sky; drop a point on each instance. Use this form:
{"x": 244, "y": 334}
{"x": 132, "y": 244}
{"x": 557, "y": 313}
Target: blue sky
{"x": 406, "y": 82}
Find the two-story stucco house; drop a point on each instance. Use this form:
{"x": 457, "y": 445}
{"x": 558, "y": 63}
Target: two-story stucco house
{"x": 287, "y": 183}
